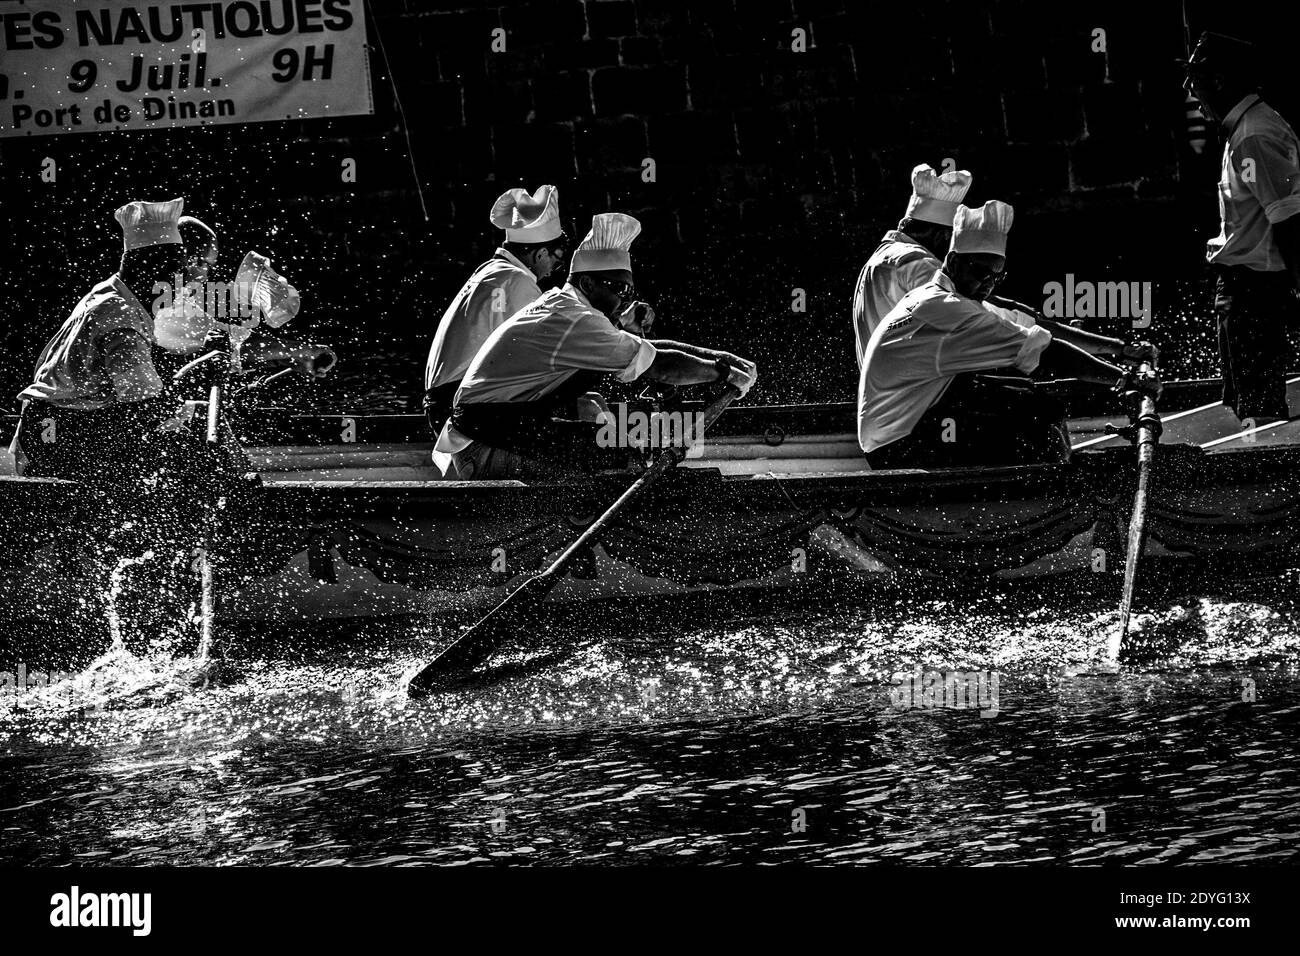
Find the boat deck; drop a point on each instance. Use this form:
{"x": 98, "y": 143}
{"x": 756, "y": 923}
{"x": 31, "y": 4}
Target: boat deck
{"x": 757, "y": 442}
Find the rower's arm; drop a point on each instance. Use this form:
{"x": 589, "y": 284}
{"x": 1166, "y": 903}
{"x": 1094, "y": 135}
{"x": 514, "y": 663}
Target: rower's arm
{"x": 1102, "y": 346}
{"x": 709, "y": 355}
{"x": 677, "y": 367}
{"x": 1069, "y": 361}
{"x": 695, "y": 350}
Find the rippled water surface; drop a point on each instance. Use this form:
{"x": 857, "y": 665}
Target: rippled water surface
{"x": 757, "y": 728}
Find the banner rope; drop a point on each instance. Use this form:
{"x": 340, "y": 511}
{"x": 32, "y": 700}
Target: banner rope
{"x": 406, "y": 130}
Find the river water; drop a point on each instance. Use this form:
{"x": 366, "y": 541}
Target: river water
{"x": 755, "y": 728}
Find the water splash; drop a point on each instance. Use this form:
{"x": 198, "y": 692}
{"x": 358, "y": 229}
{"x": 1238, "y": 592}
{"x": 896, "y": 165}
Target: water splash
{"x": 119, "y": 678}
{"x": 207, "y": 606}
{"x": 116, "y": 581}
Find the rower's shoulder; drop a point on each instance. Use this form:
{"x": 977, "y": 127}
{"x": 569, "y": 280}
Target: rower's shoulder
{"x": 557, "y": 303}
{"x": 497, "y": 271}
{"x": 105, "y": 309}
{"x": 933, "y": 290}
{"x": 898, "y": 249}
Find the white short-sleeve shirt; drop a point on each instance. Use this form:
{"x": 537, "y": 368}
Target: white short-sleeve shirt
{"x": 1259, "y": 185}
{"x": 932, "y": 335}
{"x": 537, "y": 350}
{"x": 898, "y": 266}
{"x": 101, "y": 355}
{"x": 497, "y": 290}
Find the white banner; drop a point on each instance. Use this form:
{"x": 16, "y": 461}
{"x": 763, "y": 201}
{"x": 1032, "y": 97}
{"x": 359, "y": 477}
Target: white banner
{"x": 88, "y": 66}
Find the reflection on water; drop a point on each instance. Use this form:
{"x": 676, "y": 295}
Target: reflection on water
{"x": 759, "y": 728}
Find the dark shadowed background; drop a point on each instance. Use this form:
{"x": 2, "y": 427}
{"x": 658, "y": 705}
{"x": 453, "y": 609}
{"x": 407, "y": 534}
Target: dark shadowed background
{"x": 775, "y": 170}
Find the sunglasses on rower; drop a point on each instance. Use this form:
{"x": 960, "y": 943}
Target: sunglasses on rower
{"x": 982, "y": 273}
{"x": 624, "y": 290}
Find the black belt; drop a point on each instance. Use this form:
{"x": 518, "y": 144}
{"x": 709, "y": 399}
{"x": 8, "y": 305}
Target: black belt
{"x": 528, "y": 427}
{"x": 515, "y": 426}
{"x": 438, "y": 403}
{"x": 1281, "y": 277}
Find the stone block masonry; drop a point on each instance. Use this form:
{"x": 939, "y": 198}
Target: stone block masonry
{"x": 781, "y": 133}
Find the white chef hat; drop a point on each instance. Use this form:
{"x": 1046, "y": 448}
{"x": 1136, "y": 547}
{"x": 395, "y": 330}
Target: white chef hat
{"x": 606, "y": 246}
{"x": 526, "y": 218}
{"x": 935, "y": 196}
{"x": 982, "y": 230}
{"x": 265, "y": 292}
{"x": 150, "y": 223}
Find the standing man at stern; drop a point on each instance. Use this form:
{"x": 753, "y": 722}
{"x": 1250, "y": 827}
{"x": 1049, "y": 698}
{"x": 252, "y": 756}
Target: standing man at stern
{"x": 533, "y": 249}
{"x": 537, "y": 364}
{"x": 1257, "y": 253}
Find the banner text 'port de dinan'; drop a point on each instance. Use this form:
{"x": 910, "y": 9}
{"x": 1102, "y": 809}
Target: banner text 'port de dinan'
{"x": 103, "y": 65}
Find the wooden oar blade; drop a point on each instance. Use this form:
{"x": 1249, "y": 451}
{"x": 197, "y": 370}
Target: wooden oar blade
{"x": 476, "y": 643}
{"x": 1136, "y": 541}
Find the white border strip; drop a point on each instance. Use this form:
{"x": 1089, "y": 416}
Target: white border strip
{"x": 1248, "y": 431}
{"x": 1184, "y": 414}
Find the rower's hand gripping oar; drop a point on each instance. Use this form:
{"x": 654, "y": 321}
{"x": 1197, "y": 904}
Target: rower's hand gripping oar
{"x": 477, "y": 643}
{"x": 1145, "y": 434}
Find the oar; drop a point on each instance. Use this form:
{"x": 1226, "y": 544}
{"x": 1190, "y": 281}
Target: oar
{"x": 1147, "y": 433}
{"x": 483, "y": 637}
{"x": 208, "y": 599}
{"x": 212, "y": 439}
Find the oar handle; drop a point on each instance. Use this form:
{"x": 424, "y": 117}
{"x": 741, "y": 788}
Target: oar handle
{"x": 1147, "y": 422}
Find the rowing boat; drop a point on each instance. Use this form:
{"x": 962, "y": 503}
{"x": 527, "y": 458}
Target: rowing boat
{"x": 355, "y": 521}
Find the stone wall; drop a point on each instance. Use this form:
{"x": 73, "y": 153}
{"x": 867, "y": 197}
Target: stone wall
{"x": 774, "y": 169}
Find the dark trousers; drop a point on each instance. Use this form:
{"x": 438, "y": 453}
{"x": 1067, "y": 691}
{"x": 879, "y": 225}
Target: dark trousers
{"x": 982, "y": 419}
{"x": 528, "y": 439}
{"x": 99, "y": 447}
{"x": 1252, "y": 309}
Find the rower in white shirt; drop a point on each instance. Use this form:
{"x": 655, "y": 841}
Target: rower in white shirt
{"x": 533, "y": 249}
{"x": 921, "y": 402}
{"x": 908, "y": 257}
{"x": 536, "y": 365}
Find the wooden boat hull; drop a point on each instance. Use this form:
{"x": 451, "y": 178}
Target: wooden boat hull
{"x": 378, "y": 548}
{"x": 367, "y": 528}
